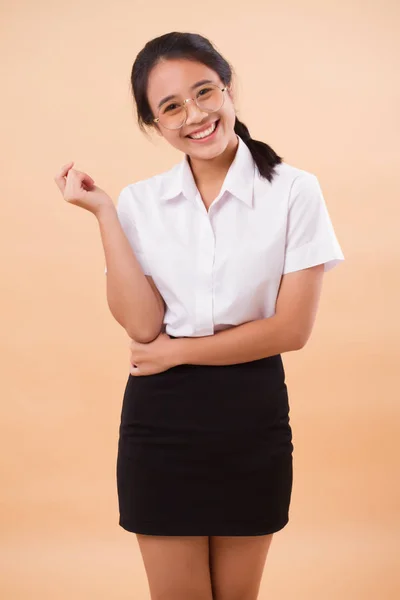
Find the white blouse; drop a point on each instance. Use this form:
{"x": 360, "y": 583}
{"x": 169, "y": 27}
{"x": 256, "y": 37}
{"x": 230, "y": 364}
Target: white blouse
{"x": 222, "y": 268}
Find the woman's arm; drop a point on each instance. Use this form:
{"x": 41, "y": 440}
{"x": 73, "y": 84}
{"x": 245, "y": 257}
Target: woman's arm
{"x": 289, "y": 329}
{"x": 132, "y": 297}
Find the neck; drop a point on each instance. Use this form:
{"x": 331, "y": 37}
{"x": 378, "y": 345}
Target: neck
{"x": 214, "y": 168}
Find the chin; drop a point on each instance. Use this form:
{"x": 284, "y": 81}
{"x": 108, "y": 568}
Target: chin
{"x": 211, "y": 151}
{"x": 208, "y": 154}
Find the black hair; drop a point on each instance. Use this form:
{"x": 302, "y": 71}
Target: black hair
{"x": 192, "y": 46}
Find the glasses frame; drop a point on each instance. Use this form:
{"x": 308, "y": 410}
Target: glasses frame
{"x": 194, "y": 99}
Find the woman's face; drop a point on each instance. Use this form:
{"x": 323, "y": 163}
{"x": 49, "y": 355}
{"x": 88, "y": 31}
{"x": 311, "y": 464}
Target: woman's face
{"x": 176, "y": 78}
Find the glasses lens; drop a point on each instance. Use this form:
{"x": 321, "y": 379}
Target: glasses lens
{"x": 209, "y": 98}
{"x": 172, "y": 115}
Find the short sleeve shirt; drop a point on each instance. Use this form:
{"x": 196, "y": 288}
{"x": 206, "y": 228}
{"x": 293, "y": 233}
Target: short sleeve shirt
{"x": 221, "y": 268}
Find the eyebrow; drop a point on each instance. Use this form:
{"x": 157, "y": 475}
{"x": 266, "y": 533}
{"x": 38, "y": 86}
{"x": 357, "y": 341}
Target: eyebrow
{"x": 196, "y": 85}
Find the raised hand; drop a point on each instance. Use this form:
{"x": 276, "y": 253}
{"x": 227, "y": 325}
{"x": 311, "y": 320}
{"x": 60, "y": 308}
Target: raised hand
{"x": 79, "y": 188}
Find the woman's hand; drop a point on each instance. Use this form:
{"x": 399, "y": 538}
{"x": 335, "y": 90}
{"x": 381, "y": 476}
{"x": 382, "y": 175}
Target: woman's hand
{"x": 154, "y": 357}
{"x": 79, "y": 188}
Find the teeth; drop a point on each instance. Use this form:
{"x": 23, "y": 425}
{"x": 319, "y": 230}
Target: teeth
{"x": 203, "y": 134}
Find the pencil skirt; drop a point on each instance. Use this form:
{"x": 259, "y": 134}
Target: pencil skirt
{"x": 206, "y": 450}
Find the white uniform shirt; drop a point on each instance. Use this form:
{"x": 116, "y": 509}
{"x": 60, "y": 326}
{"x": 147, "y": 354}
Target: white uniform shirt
{"x": 222, "y": 268}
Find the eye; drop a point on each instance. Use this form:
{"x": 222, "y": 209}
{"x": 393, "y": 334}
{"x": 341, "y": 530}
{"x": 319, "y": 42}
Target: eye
{"x": 170, "y": 107}
{"x": 205, "y": 90}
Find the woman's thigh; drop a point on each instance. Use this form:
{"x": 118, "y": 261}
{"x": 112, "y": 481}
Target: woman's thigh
{"x": 237, "y": 564}
{"x": 177, "y": 567}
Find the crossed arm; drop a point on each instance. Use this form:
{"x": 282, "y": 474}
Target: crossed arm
{"x": 287, "y": 330}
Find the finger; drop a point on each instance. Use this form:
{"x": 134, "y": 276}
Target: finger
{"x": 76, "y": 181}
{"x": 132, "y": 364}
{"x": 134, "y": 345}
{"x": 73, "y": 186}
{"x": 60, "y": 176}
{"x": 77, "y": 184}
{"x": 84, "y": 177}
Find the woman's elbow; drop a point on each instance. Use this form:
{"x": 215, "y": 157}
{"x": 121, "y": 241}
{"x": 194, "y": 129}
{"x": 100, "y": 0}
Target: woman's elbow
{"x": 148, "y": 335}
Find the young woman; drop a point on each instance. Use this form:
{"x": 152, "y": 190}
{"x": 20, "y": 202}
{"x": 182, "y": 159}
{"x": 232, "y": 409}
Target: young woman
{"x": 214, "y": 269}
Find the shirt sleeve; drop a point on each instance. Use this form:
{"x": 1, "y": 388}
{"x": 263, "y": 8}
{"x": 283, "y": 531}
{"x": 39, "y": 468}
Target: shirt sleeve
{"x": 310, "y": 237}
{"x": 125, "y": 217}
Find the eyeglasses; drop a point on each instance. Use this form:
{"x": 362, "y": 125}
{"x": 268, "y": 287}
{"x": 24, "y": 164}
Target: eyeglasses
{"x": 209, "y": 98}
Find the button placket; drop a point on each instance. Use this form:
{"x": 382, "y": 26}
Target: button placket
{"x": 203, "y": 295}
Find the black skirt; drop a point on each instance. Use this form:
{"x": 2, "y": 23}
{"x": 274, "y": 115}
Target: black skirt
{"x": 206, "y": 450}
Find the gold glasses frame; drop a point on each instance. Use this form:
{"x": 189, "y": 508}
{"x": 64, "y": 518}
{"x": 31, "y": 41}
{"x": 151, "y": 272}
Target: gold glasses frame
{"x": 194, "y": 99}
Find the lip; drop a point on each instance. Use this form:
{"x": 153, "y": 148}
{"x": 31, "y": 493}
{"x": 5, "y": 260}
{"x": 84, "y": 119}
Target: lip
{"x": 202, "y": 128}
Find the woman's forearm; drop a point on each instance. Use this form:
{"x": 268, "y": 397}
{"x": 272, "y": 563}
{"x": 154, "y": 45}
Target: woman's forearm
{"x": 243, "y": 343}
{"x": 130, "y": 296}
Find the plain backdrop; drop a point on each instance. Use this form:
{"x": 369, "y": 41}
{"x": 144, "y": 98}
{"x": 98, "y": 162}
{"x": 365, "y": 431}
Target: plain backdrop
{"x": 319, "y": 82}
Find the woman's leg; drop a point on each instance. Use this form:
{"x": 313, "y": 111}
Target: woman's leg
{"x": 177, "y": 567}
{"x": 237, "y": 564}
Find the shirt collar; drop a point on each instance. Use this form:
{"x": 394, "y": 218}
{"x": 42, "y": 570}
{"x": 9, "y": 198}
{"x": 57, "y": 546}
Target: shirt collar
{"x": 239, "y": 180}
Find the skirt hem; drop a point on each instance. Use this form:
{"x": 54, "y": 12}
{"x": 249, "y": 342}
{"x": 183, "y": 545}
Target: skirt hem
{"x": 246, "y": 529}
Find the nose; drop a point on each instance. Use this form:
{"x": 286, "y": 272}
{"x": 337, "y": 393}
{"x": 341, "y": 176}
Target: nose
{"x": 194, "y": 113}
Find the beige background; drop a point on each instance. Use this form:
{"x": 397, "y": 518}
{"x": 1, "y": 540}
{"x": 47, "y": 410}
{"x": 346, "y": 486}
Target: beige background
{"x": 319, "y": 82}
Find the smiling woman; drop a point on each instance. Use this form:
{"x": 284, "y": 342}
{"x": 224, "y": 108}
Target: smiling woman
{"x": 188, "y": 71}
{"x": 196, "y": 108}
{"x": 234, "y": 243}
